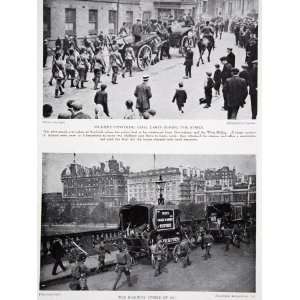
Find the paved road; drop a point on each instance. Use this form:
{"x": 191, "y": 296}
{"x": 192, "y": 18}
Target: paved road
{"x": 232, "y": 272}
{"x": 164, "y": 80}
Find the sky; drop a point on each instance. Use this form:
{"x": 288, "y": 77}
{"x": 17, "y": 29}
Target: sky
{"x": 54, "y": 163}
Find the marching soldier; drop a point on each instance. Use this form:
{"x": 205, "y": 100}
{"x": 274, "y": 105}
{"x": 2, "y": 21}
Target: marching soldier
{"x": 70, "y": 67}
{"x": 79, "y": 274}
{"x": 184, "y": 251}
{"x": 208, "y": 241}
{"x": 123, "y": 266}
{"x": 159, "y": 255}
{"x": 115, "y": 62}
{"x": 58, "y": 70}
{"x": 82, "y": 67}
{"x": 129, "y": 59}
{"x": 102, "y": 250}
{"x": 99, "y": 66}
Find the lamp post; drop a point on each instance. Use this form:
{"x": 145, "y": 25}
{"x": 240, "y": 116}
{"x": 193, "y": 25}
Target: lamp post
{"x": 160, "y": 187}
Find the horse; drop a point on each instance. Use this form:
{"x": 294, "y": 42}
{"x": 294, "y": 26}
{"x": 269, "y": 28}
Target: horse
{"x": 205, "y": 43}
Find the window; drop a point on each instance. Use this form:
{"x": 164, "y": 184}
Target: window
{"x": 70, "y": 21}
{"x": 112, "y": 20}
{"x": 146, "y": 19}
{"x": 129, "y": 18}
{"x": 93, "y": 21}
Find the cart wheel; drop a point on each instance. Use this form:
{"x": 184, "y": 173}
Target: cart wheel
{"x": 144, "y": 57}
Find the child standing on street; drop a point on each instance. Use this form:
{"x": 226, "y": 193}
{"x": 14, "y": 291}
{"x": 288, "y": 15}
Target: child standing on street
{"x": 180, "y": 97}
{"x": 208, "y": 86}
{"x": 217, "y": 80}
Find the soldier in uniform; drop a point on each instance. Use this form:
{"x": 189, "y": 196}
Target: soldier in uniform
{"x": 184, "y": 251}
{"x": 230, "y": 57}
{"x": 79, "y": 274}
{"x": 58, "y": 71}
{"x": 208, "y": 241}
{"x": 102, "y": 250}
{"x": 159, "y": 255}
{"x": 129, "y": 59}
{"x": 70, "y": 68}
{"x": 57, "y": 252}
{"x": 82, "y": 67}
{"x": 115, "y": 62}
{"x": 99, "y": 66}
{"x": 123, "y": 265}
{"x": 227, "y": 237}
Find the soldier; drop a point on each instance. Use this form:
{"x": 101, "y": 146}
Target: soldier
{"x": 70, "y": 68}
{"x": 123, "y": 265}
{"x": 79, "y": 274}
{"x": 58, "y": 71}
{"x": 115, "y": 62}
{"x": 129, "y": 59}
{"x": 102, "y": 250}
{"x": 227, "y": 237}
{"x": 184, "y": 250}
{"x": 66, "y": 46}
{"x": 208, "y": 241}
{"x": 82, "y": 67}
{"x": 99, "y": 66}
{"x": 123, "y": 31}
{"x": 159, "y": 255}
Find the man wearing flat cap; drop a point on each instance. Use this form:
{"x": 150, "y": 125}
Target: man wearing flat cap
{"x": 225, "y": 74}
{"x": 230, "y": 57}
{"x": 76, "y": 109}
{"x": 137, "y": 30}
{"x": 236, "y": 92}
{"x": 143, "y": 95}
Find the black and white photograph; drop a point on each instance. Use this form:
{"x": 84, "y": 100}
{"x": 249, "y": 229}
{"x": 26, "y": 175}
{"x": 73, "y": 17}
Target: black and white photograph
{"x": 148, "y": 222}
{"x": 147, "y": 59}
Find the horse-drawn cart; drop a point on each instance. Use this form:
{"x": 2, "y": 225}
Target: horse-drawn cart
{"x": 142, "y": 223}
{"x": 146, "y": 51}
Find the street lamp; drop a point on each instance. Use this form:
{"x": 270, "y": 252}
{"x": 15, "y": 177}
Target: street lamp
{"x": 160, "y": 187}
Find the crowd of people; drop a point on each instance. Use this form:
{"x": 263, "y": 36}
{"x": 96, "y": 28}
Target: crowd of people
{"x": 72, "y": 62}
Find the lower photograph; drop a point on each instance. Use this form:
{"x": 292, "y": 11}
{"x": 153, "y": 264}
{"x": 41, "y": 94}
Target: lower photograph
{"x": 148, "y": 222}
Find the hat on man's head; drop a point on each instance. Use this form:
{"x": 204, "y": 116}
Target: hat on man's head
{"x": 230, "y": 49}
{"x": 209, "y": 74}
{"x": 69, "y": 103}
{"x": 223, "y": 58}
{"x": 235, "y": 71}
{"x": 103, "y": 86}
{"x": 146, "y": 77}
{"x": 217, "y": 65}
{"x": 76, "y": 105}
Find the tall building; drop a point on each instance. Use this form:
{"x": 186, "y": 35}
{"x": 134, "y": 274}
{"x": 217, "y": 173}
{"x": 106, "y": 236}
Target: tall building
{"x": 239, "y": 8}
{"x": 106, "y": 183}
{"x": 87, "y": 17}
{"x": 178, "y": 185}
{"x": 224, "y": 177}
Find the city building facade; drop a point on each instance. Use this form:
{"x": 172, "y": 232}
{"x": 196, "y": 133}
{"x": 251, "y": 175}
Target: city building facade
{"x": 107, "y": 182}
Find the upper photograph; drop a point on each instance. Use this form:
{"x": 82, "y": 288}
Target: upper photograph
{"x": 147, "y": 59}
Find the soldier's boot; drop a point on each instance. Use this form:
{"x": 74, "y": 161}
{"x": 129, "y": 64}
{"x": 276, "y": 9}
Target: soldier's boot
{"x": 63, "y": 84}
{"x": 56, "y": 93}
{"x": 72, "y": 83}
{"x": 61, "y": 91}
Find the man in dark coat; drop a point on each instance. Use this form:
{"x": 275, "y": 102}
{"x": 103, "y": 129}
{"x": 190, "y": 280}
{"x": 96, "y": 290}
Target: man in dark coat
{"x": 253, "y": 89}
{"x": 143, "y": 95}
{"x": 180, "y": 97}
{"x": 58, "y": 43}
{"x": 76, "y": 110}
{"x": 57, "y": 252}
{"x": 225, "y": 74}
{"x": 101, "y": 98}
{"x": 230, "y": 57}
{"x": 137, "y": 30}
{"x": 236, "y": 92}
{"x": 45, "y": 52}
{"x": 189, "y": 61}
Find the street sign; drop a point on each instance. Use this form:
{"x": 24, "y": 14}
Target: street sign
{"x": 165, "y": 219}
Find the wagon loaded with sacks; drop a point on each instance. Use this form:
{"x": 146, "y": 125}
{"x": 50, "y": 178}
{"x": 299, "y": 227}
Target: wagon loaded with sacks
{"x": 146, "y": 51}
